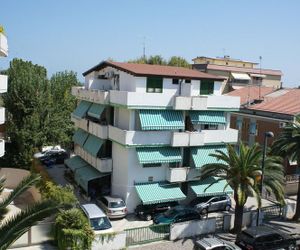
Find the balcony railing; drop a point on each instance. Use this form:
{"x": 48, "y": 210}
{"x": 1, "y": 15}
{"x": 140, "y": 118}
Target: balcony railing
{"x": 91, "y": 95}
{"x": 206, "y": 102}
{"x": 3, "y": 45}
{"x": 138, "y": 138}
{"x": 138, "y": 100}
{"x": 187, "y": 139}
{"x": 177, "y": 174}
{"x": 2, "y": 147}
{"x": 104, "y": 165}
{"x": 216, "y": 136}
{"x": 3, "y": 83}
{"x": 2, "y": 115}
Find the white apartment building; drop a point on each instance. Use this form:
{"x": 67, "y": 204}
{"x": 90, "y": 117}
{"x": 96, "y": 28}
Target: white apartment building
{"x": 3, "y": 88}
{"x": 145, "y": 131}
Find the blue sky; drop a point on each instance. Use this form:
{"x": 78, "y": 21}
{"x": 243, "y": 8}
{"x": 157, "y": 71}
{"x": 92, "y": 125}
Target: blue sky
{"x": 76, "y": 34}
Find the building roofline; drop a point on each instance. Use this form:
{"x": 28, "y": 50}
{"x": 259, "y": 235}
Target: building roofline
{"x": 224, "y": 58}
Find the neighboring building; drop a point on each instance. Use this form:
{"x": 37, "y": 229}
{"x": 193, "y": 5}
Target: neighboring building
{"x": 3, "y": 89}
{"x": 151, "y": 128}
{"x": 269, "y": 113}
{"x": 238, "y": 73}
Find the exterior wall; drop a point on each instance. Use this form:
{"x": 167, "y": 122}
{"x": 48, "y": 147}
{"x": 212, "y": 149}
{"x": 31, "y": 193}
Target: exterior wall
{"x": 224, "y": 62}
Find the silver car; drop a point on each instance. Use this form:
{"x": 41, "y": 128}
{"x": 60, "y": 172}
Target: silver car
{"x": 214, "y": 244}
{"x": 113, "y": 206}
{"x": 212, "y": 204}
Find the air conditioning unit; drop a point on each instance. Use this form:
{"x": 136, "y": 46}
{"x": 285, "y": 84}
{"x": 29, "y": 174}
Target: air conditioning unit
{"x": 282, "y": 124}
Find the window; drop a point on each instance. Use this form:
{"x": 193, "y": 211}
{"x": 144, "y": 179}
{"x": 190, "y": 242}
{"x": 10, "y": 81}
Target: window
{"x": 175, "y": 81}
{"x": 187, "y": 80}
{"x": 151, "y": 165}
{"x": 154, "y": 85}
{"x": 206, "y": 87}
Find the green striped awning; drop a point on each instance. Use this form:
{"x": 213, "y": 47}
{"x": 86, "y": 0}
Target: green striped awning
{"x": 81, "y": 109}
{"x": 96, "y": 110}
{"x": 75, "y": 163}
{"x": 93, "y": 145}
{"x": 80, "y": 137}
{"x": 201, "y": 188}
{"x": 85, "y": 174}
{"x": 208, "y": 117}
{"x": 158, "y": 192}
{"x": 158, "y": 155}
{"x": 161, "y": 119}
{"x": 201, "y": 155}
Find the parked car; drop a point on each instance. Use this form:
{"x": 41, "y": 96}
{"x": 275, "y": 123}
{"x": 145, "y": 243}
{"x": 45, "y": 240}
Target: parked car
{"x": 147, "y": 212}
{"x": 98, "y": 220}
{"x": 214, "y": 244}
{"x": 55, "y": 158}
{"x": 177, "y": 214}
{"x": 47, "y": 151}
{"x": 114, "y": 207}
{"x": 212, "y": 204}
{"x": 265, "y": 237}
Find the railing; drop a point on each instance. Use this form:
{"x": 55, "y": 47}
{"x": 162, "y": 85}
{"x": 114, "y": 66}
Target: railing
{"x": 92, "y": 95}
{"x": 292, "y": 178}
{"x": 3, "y": 83}
{"x": 142, "y": 235}
{"x": 273, "y": 211}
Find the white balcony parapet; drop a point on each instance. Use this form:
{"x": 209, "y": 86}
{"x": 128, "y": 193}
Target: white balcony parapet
{"x": 3, "y": 45}
{"x": 91, "y": 95}
{"x": 187, "y": 139}
{"x": 98, "y": 130}
{"x": 177, "y": 174}
{"x": 212, "y": 102}
{"x": 140, "y": 100}
{"x": 2, "y": 147}
{"x": 3, "y": 83}
{"x": 138, "y": 138}
{"x": 80, "y": 123}
{"x": 2, "y": 115}
{"x": 217, "y": 136}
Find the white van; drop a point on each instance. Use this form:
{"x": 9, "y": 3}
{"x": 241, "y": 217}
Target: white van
{"x": 97, "y": 218}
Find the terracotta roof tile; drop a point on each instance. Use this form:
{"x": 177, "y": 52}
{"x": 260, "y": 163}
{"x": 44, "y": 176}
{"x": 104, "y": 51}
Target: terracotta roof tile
{"x": 251, "y": 93}
{"x": 155, "y": 70}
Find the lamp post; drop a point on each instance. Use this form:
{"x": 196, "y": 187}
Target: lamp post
{"x": 267, "y": 135}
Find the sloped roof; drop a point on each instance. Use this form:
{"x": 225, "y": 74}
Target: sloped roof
{"x": 154, "y": 70}
{"x": 251, "y": 93}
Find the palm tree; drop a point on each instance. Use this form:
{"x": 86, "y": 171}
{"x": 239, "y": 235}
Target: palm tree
{"x": 14, "y": 227}
{"x": 242, "y": 171}
{"x": 288, "y": 145}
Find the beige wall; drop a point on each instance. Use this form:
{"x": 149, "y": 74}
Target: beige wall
{"x": 224, "y": 62}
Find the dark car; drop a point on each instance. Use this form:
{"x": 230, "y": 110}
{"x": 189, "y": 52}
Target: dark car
{"x": 147, "y": 212}
{"x": 212, "y": 204}
{"x": 265, "y": 237}
{"x": 55, "y": 158}
{"x": 177, "y": 214}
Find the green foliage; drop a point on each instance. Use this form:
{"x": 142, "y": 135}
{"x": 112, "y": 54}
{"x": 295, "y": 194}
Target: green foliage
{"x": 61, "y": 195}
{"x": 242, "y": 171}
{"x": 159, "y": 60}
{"x": 38, "y": 110}
{"x": 72, "y": 230}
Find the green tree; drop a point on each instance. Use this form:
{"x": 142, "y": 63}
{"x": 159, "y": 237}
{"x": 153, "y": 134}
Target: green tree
{"x": 178, "y": 62}
{"x": 14, "y": 227}
{"x": 157, "y": 60}
{"x": 242, "y": 171}
{"x": 288, "y": 145}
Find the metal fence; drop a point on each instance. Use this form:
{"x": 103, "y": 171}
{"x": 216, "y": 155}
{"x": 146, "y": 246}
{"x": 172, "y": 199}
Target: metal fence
{"x": 147, "y": 234}
{"x": 271, "y": 212}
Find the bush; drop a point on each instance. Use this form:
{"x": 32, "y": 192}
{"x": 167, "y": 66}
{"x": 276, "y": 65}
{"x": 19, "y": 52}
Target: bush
{"x": 72, "y": 230}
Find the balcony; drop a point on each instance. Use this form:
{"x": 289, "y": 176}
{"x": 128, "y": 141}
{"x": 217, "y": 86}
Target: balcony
{"x": 2, "y": 115}
{"x": 3, "y": 83}
{"x": 2, "y": 147}
{"x": 217, "y": 136}
{"x": 138, "y": 100}
{"x": 93, "y": 128}
{"x": 139, "y": 138}
{"x": 207, "y": 102}
{"x": 104, "y": 165}
{"x": 3, "y": 45}
{"x": 177, "y": 174}
{"x": 91, "y": 95}
{"x": 187, "y": 139}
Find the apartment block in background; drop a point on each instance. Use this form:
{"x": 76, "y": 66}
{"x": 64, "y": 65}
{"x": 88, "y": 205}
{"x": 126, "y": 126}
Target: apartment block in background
{"x": 145, "y": 131}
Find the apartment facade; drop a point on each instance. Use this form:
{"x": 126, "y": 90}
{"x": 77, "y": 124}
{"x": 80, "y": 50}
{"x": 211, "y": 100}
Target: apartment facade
{"x": 238, "y": 73}
{"x": 148, "y": 129}
{"x": 3, "y": 89}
